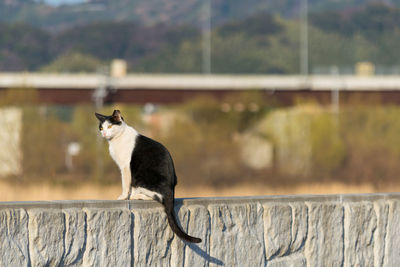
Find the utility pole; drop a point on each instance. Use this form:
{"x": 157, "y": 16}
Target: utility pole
{"x": 206, "y": 33}
{"x": 334, "y": 70}
{"x": 100, "y": 93}
{"x": 304, "y": 68}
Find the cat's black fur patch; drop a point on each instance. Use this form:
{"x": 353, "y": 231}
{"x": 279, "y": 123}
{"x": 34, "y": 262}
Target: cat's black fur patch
{"x": 111, "y": 119}
{"x": 152, "y": 168}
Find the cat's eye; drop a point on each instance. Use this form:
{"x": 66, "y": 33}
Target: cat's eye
{"x": 109, "y": 126}
{"x": 101, "y": 128}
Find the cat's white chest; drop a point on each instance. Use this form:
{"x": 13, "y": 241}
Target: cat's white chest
{"x": 121, "y": 148}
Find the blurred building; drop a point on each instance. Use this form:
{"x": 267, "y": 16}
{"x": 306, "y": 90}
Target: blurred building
{"x": 10, "y": 141}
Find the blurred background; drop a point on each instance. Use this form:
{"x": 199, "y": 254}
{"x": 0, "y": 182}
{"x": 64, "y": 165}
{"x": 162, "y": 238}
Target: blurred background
{"x": 251, "y": 97}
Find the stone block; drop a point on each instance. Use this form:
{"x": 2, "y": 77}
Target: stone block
{"x": 75, "y": 237}
{"x": 236, "y": 234}
{"x": 178, "y": 246}
{"x": 14, "y": 250}
{"x": 392, "y": 248}
{"x": 299, "y": 226}
{"x": 199, "y": 225}
{"x": 152, "y": 238}
{"x": 381, "y": 208}
{"x": 359, "y": 227}
{"x": 278, "y": 229}
{"x": 46, "y": 237}
{"x": 325, "y": 242}
{"x": 286, "y": 228}
{"x": 109, "y": 239}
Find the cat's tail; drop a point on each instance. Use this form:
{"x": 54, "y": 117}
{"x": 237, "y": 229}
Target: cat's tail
{"x": 169, "y": 209}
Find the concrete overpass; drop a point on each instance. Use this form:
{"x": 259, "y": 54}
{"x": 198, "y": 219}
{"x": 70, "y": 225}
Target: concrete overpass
{"x": 172, "y": 88}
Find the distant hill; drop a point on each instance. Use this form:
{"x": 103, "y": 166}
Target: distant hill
{"x": 258, "y": 43}
{"x": 150, "y": 12}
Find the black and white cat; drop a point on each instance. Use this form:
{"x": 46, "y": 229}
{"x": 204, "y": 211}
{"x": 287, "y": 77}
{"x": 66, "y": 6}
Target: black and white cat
{"x": 146, "y": 166}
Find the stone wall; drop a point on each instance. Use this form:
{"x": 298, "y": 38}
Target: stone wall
{"x": 337, "y": 230}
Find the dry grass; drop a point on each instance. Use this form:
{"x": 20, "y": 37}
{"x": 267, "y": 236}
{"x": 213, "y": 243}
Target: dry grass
{"x": 11, "y": 192}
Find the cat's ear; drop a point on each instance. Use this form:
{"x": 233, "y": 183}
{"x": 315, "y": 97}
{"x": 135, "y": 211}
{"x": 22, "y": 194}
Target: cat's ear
{"x": 117, "y": 116}
{"x": 100, "y": 117}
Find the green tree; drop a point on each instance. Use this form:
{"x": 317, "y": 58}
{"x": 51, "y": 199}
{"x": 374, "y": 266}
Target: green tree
{"x": 75, "y": 62}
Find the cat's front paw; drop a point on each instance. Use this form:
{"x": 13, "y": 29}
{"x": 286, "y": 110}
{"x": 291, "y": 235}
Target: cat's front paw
{"x": 123, "y": 197}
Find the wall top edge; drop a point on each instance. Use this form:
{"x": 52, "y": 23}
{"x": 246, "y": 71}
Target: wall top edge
{"x": 139, "y": 204}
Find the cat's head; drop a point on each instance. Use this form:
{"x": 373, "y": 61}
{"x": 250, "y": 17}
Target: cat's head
{"x": 111, "y": 126}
